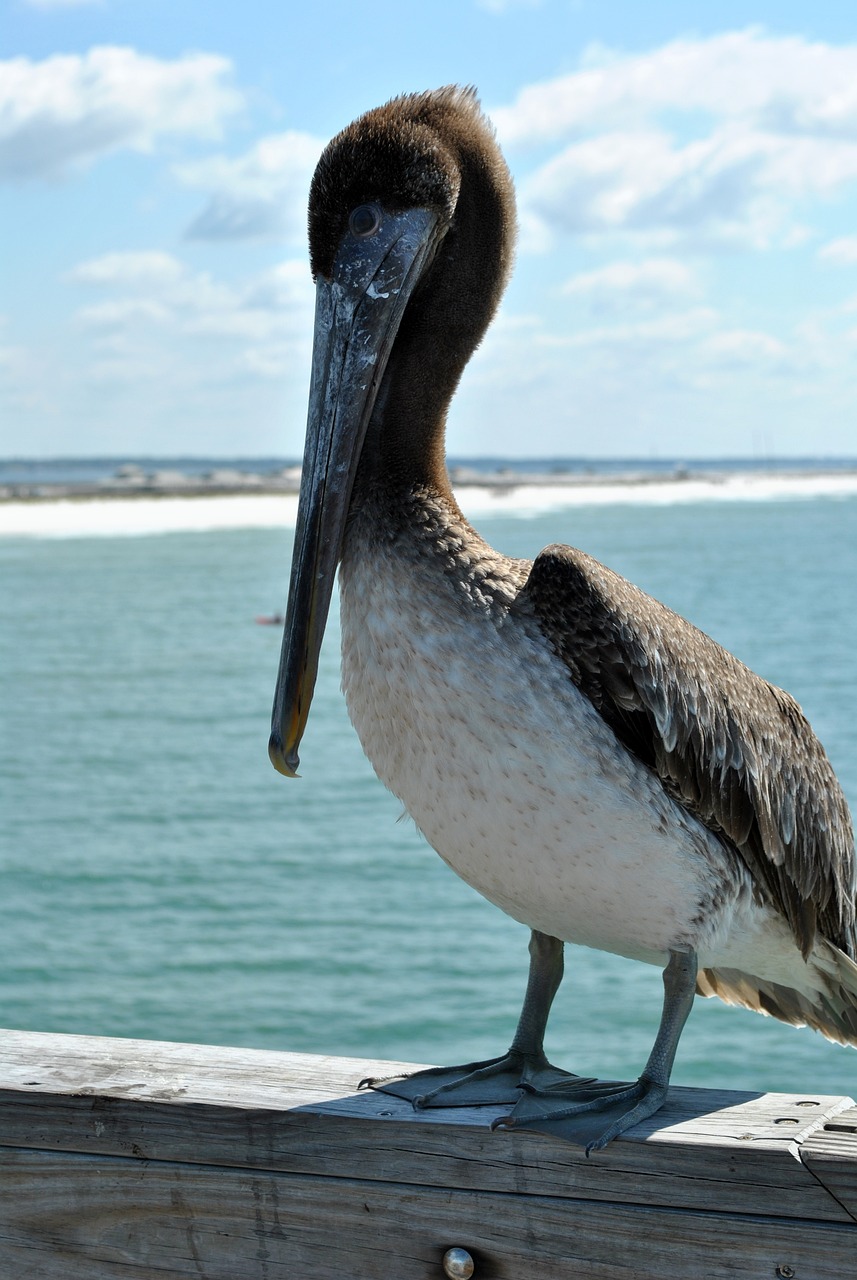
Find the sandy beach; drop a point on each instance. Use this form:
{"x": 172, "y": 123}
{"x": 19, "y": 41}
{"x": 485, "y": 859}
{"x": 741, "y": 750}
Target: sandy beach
{"x": 184, "y": 504}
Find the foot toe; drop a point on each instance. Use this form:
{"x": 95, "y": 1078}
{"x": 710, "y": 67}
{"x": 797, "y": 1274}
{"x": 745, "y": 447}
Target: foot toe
{"x": 591, "y": 1118}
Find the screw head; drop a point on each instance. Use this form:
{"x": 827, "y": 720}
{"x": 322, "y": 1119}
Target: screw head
{"x": 458, "y": 1264}
{"x": 784, "y": 1271}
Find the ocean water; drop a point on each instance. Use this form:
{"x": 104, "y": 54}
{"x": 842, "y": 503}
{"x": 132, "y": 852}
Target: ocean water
{"x": 160, "y": 880}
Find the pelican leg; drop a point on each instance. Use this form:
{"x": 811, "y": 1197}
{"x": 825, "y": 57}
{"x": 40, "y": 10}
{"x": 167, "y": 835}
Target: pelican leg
{"x": 596, "y": 1114}
{"x": 498, "y": 1081}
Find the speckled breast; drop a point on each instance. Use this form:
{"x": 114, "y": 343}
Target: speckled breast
{"x": 507, "y": 769}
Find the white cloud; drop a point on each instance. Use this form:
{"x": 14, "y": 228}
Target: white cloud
{"x": 141, "y": 268}
{"x": 843, "y": 250}
{"x": 503, "y": 6}
{"x": 663, "y": 332}
{"x": 689, "y": 347}
{"x": 71, "y": 109}
{"x": 649, "y": 283}
{"x": 23, "y": 382}
{"x": 713, "y": 141}
{"x": 118, "y": 313}
{"x": 61, "y": 4}
{"x": 689, "y": 382}
{"x": 641, "y": 182}
{"x": 12, "y": 359}
{"x": 743, "y": 348}
{"x": 162, "y": 308}
{"x": 260, "y": 194}
{"x": 784, "y": 84}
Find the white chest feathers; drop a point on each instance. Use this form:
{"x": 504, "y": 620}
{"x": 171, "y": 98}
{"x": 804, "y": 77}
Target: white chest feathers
{"x": 508, "y": 770}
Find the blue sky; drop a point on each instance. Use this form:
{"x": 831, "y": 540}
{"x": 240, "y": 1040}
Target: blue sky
{"x": 686, "y": 281}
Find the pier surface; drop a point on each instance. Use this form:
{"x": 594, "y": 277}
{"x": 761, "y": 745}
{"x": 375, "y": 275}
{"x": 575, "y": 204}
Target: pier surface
{"x": 134, "y": 1158}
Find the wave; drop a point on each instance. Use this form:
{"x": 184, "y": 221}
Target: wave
{"x": 140, "y": 516}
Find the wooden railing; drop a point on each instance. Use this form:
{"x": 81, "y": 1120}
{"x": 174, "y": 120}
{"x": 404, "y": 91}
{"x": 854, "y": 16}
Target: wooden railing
{"x": 131, "y": 1158}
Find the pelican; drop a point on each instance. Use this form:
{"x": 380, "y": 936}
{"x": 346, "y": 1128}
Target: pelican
{"x": 586, "y": 759}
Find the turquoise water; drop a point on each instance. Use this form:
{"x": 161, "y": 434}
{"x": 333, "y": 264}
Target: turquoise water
{"x": 160, "y": 880}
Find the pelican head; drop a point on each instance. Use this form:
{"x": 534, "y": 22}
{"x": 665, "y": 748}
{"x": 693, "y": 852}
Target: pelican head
{"x": 411, "y": 228}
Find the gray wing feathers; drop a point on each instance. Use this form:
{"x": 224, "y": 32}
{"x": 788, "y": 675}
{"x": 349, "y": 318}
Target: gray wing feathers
{"x": 732, "y": 748}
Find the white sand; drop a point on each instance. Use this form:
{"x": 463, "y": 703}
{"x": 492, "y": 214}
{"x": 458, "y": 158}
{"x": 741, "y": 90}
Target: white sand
{"x": 745, "y": 487}
{"x": 111, "y": 517}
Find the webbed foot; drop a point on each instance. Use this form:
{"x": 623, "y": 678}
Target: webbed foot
{"x": 581, "y": 1109}
{"x": 592, "y": 1115}
{"x": 494, "y": 1082}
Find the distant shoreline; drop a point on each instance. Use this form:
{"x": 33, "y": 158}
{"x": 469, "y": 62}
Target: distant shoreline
{"x": 150, "y": 507}
{"x": 133, "y": 482}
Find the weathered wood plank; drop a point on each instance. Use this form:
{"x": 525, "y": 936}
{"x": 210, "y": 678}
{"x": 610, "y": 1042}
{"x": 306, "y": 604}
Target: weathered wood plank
{"x": 105, "y": 1218}
{"x": 140, "y": 1159}
{"x": 253, "y": 1078}
{"x": 460, "y": 1156}
{"x": 300, "y": 1114}
{"x": 829, "y": 1154}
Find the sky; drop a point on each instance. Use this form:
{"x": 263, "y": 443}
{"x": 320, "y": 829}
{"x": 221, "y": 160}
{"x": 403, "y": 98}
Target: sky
{"x": 686, "y": 274}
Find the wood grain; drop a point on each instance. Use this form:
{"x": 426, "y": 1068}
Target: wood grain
{"x": 136, "y": 1158}
{"x": 192, "y": 1220}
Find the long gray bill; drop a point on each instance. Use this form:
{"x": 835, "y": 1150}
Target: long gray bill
{"x": 358, "y": 313}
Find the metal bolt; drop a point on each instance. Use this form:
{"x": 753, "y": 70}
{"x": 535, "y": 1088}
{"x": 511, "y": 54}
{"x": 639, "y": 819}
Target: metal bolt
{"x": 458, "y": 1264}
{"x": 784, "y": 1271}
{"x": 807, "y": 1104}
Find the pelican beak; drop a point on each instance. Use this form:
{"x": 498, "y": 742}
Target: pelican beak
{"x": 358, "y": 313}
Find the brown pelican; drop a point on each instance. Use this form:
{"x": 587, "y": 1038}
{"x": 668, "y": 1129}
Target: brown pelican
{"x": 589, "y": 761}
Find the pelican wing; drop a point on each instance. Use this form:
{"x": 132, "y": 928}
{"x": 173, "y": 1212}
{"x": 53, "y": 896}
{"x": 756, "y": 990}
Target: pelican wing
{"x": 735, "y": 750}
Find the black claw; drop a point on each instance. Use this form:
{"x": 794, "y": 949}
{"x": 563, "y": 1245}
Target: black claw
{"x": 372, "y": 1082}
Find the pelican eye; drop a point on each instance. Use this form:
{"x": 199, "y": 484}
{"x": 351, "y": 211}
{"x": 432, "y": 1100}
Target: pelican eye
{"x": 365, "y": 221}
